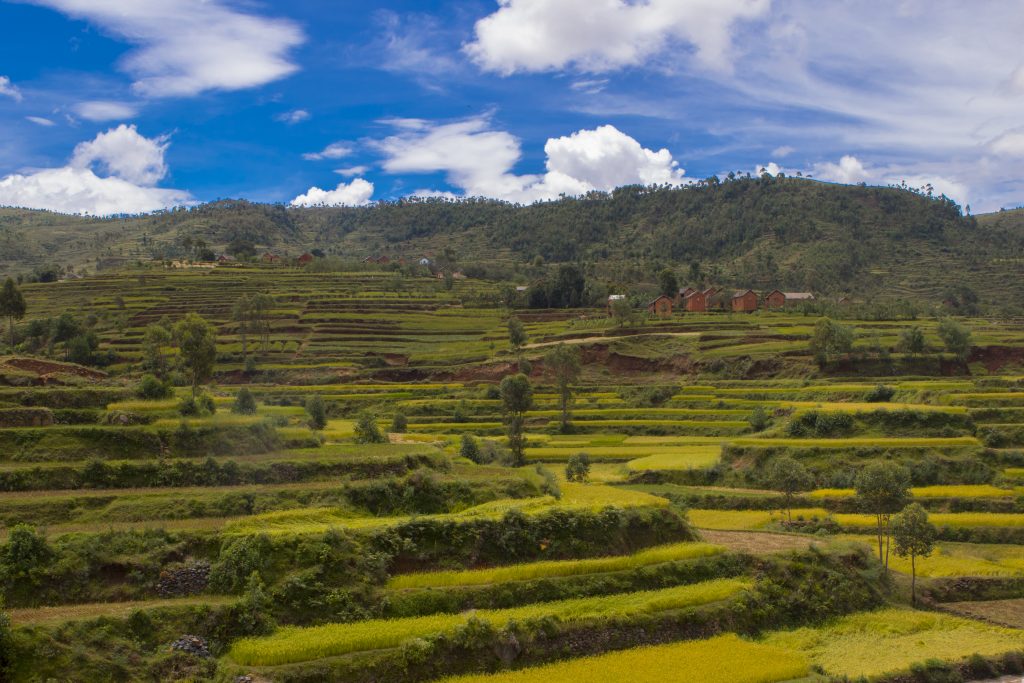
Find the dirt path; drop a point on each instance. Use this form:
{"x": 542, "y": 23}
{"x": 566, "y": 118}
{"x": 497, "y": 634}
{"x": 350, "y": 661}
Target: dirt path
{"x": 758, "y": 542}
{"x": 62, "y": 613}
{"x": 603, "y": 338}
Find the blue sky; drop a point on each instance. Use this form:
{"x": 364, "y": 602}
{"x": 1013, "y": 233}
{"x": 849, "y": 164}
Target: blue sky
{"x": 108, "y": 106}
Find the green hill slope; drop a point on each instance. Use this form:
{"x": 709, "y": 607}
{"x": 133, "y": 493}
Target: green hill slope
{"x": 762, "y": 233}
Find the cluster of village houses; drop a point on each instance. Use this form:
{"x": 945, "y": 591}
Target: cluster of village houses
{"x": 717, "y": 299}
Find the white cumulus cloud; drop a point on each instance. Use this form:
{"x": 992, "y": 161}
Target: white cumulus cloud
{"x": 9, "y": 89}
{"x": 848, "y": 171}
{"x": 480, "y": 160}
{"x": 356, "y": 193}
{"x": 335, "y": 150}
{"x": 604, "y": 35}
{"x": 130, "y": 164}
{"x": 102, "y": 110}
{"x": 185, "y": 47}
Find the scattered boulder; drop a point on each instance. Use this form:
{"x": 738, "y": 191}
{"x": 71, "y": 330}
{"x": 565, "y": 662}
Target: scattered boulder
{"x": 193, "y": 645}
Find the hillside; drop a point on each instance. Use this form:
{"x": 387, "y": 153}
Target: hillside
{"x": 762, "y": 233}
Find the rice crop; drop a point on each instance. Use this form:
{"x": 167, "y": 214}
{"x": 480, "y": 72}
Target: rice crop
{"x": 941, "y": 519}
{"x": 891, "y": 442}
{"x": 695, "y": 457}
{"x": 723, "y": 659}
{"x": 890, "y": 640}
{"x": 539, "y": 570}
{"x": 747, "y": 520}
{"x": 963, "y": 559}
{"x": 294, "y": 644}
{"x": 948, "y": 491}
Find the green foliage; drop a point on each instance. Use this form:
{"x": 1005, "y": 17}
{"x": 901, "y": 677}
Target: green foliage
{"x": 668, "y": 283}
{"x": 400, "y": 423}
{"x": 197, "y": 406}
{"x": 578, "y": 468}
{"x": 759, "y": 419}
{"x": 154, "y": 339}
{"x": 956, "y": 337}
{"x": 563, "y": 362}
{"x": 789, "y": 477}
{"x": 470, "y": 449}
{"x": 648, "y": 396}
{"x": 245, "y": 402}
{"x": 12, "y": 305}
{"x": 366, "y": 429}
{"x": 317, "y": 411}
{"x": 820, "y": 424}
{"x": 197, "y": 344}
{"x": 6, "y": 642}
{"x": 622, "y": 312}
{"x": 883, "y": 488}
{"x": 25, "y": 552}
{"x": 152, "y": 388}
{"x": 238, "y": 560}
{"x": 830, "y": 341}
{"x": 516, "y": 399}
{"x": 913, "y": 536}
{"x": 516, "y": 333}
{"x": 880, "y": 394}
{"x": 911, "y": 341}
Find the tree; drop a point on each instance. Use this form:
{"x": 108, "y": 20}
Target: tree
{"x": 759, "y": 419}
{"x": 911, "y": 341}
{"x": 26, "y": 550}
{"x": 245, "y": 402}
{"x": 6, "y": 642}
{"x": 154, "y": 339}
{"x": 469, "y": 448}
{"x": 152, "y": 388}
{"x": 197, "y": 346}
{"x": 12, "y": 306}
{"x": 622, "y": 311}
{"x": 262, "y": 304}
{"x": 830, "y": 340}
{"x": 399, "y": 424}
{"x": 883, "y": 489}
{"x": 914, "y": 537}
{"x": 789, "y": 477}
{"x": 956, "y": 337}
{"x": 563, "y": 362}
{"x": 516, "y": 399}
{"x": 241, "y": 313}
{"x": 66, "y": 328}
{"x": 578, "y": 468}
{"x": 668, "y": 283}
{"x": 366, "y": 430}
{"x": 516, "y": 334}
{"x": 317, "y": 411}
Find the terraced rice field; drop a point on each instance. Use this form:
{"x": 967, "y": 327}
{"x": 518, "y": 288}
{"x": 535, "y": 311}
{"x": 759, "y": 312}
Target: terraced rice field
{"x": 298, "y": 645}
{"x": 725, "y": 659}
{"x": 203, "y": 523}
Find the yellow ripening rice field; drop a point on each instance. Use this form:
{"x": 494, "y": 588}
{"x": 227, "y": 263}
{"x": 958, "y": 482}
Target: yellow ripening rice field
{"x": 854, "y": 442}
{"x": 319, "y": 520}
{"x": 724, "y": 659}
{"x": 941, "y": 519}
{"x": 292, "y": 644}
{"x": 948, "y": 491}
{"x": 747, "y": 520}
{"x": 540, "y": 570}
{"x": 890, "y": 640}
{"x": 692, "y": 458}
{"x": 961, "y": 559}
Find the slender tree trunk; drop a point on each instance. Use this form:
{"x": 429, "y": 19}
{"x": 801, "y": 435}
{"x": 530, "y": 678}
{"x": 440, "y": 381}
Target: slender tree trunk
{"x": 913, "y": 580}
{"x": 11, "y": 321}
{"x": 887, "y": 536}
{"x": 878, "y": 518}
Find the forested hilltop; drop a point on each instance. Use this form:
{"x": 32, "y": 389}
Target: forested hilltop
{"x": 767, "y": 232}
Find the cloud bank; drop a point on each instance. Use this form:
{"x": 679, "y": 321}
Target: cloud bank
{"x": 115, "y": 172}
{"x": 356, "y": 193}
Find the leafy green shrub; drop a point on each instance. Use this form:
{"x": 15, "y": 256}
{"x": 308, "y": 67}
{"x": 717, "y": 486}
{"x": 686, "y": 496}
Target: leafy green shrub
{"x": 317, "y": 411}
{"x": 759, "y": 419}
{"x": 197, "y": 406}
{"x": 400, "y": 423}
{"x": 245, "y": 402}
{"x": 469, "y": 449}
{"x": 578, "y": 468}
{"x": 647, "y": 396}
{"x": 880, "y": 394}
{"x": 366, "y": 429}
{"x": 152, "y": 388}
{"x": 821, "y": 425}
{"x": 25, "y": 552}
{"x": 239, "y": 559}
